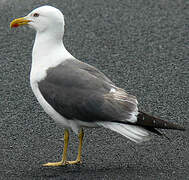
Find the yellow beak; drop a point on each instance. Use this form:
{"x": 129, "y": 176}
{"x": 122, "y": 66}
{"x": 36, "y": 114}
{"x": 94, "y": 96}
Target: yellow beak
{"x": 19, "y": 22}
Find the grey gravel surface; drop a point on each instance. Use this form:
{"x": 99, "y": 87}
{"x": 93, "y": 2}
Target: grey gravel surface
{"x": 142, "y": 45}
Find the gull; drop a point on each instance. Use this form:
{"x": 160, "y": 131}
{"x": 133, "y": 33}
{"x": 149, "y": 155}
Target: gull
{"x": 77, "y": 95}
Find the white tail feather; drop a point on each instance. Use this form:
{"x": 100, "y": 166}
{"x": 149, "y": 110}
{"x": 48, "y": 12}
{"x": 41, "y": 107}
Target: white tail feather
{"x": 132, "y": 132}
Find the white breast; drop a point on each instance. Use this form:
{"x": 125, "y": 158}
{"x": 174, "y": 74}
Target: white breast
{"x": 43, "y": 58}
{"x": 48, "y": 108}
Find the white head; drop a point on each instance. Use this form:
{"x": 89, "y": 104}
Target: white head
{"x": 43, "y": 19}
{"x": 48, "y": 22}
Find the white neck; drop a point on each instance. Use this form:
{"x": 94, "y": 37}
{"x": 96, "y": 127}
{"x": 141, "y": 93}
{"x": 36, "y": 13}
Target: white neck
{"x": 49, "y": 48}
{"x": 48, "y": 51}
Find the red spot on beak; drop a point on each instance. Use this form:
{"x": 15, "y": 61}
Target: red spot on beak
{"x": 15, "y": 25}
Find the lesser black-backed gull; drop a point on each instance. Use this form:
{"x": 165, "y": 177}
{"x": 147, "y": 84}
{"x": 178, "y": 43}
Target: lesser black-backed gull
{"x": 77, "y": 95}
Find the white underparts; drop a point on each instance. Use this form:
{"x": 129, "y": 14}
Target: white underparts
{"x": 47, "y": 53}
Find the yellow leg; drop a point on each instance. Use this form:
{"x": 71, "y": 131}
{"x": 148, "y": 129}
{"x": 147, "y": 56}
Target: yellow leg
{"x": 64, "y": 156}
{"x": 78, "y": 160}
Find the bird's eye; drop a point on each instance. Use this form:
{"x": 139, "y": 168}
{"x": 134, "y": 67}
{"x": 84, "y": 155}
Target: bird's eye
{"x": 35, "y": 14}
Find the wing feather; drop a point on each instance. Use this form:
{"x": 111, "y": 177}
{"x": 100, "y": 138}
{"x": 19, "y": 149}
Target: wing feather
{"x": 80, "y": 92}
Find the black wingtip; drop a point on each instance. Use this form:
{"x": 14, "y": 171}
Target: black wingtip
{"x": 146, "y": 120}
{"x": 181, "y": 128}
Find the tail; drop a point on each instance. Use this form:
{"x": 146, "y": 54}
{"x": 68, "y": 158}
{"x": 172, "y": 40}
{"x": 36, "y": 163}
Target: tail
{"x": 150, "y": 122}
{"x": 138, "y": 131}
{"x": 132, "y": 132}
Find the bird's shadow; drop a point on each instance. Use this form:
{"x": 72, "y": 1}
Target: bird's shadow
{"x": 88, "y": 170}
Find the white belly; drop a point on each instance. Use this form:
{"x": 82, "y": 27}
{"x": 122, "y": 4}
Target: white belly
{"x": 48, "y": 108}
{"x": 75, "y": 125}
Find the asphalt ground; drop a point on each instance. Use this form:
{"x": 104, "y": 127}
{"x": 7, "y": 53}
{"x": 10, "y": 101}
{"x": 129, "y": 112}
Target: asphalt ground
{"x": 142, "y": 45}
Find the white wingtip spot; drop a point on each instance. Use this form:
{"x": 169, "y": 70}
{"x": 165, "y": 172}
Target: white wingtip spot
{"x": 113, "y": 90}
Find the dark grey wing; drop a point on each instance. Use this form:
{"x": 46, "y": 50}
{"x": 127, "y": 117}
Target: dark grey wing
{"x": 77, "y": 94}
{"x": 90, "y": 69}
